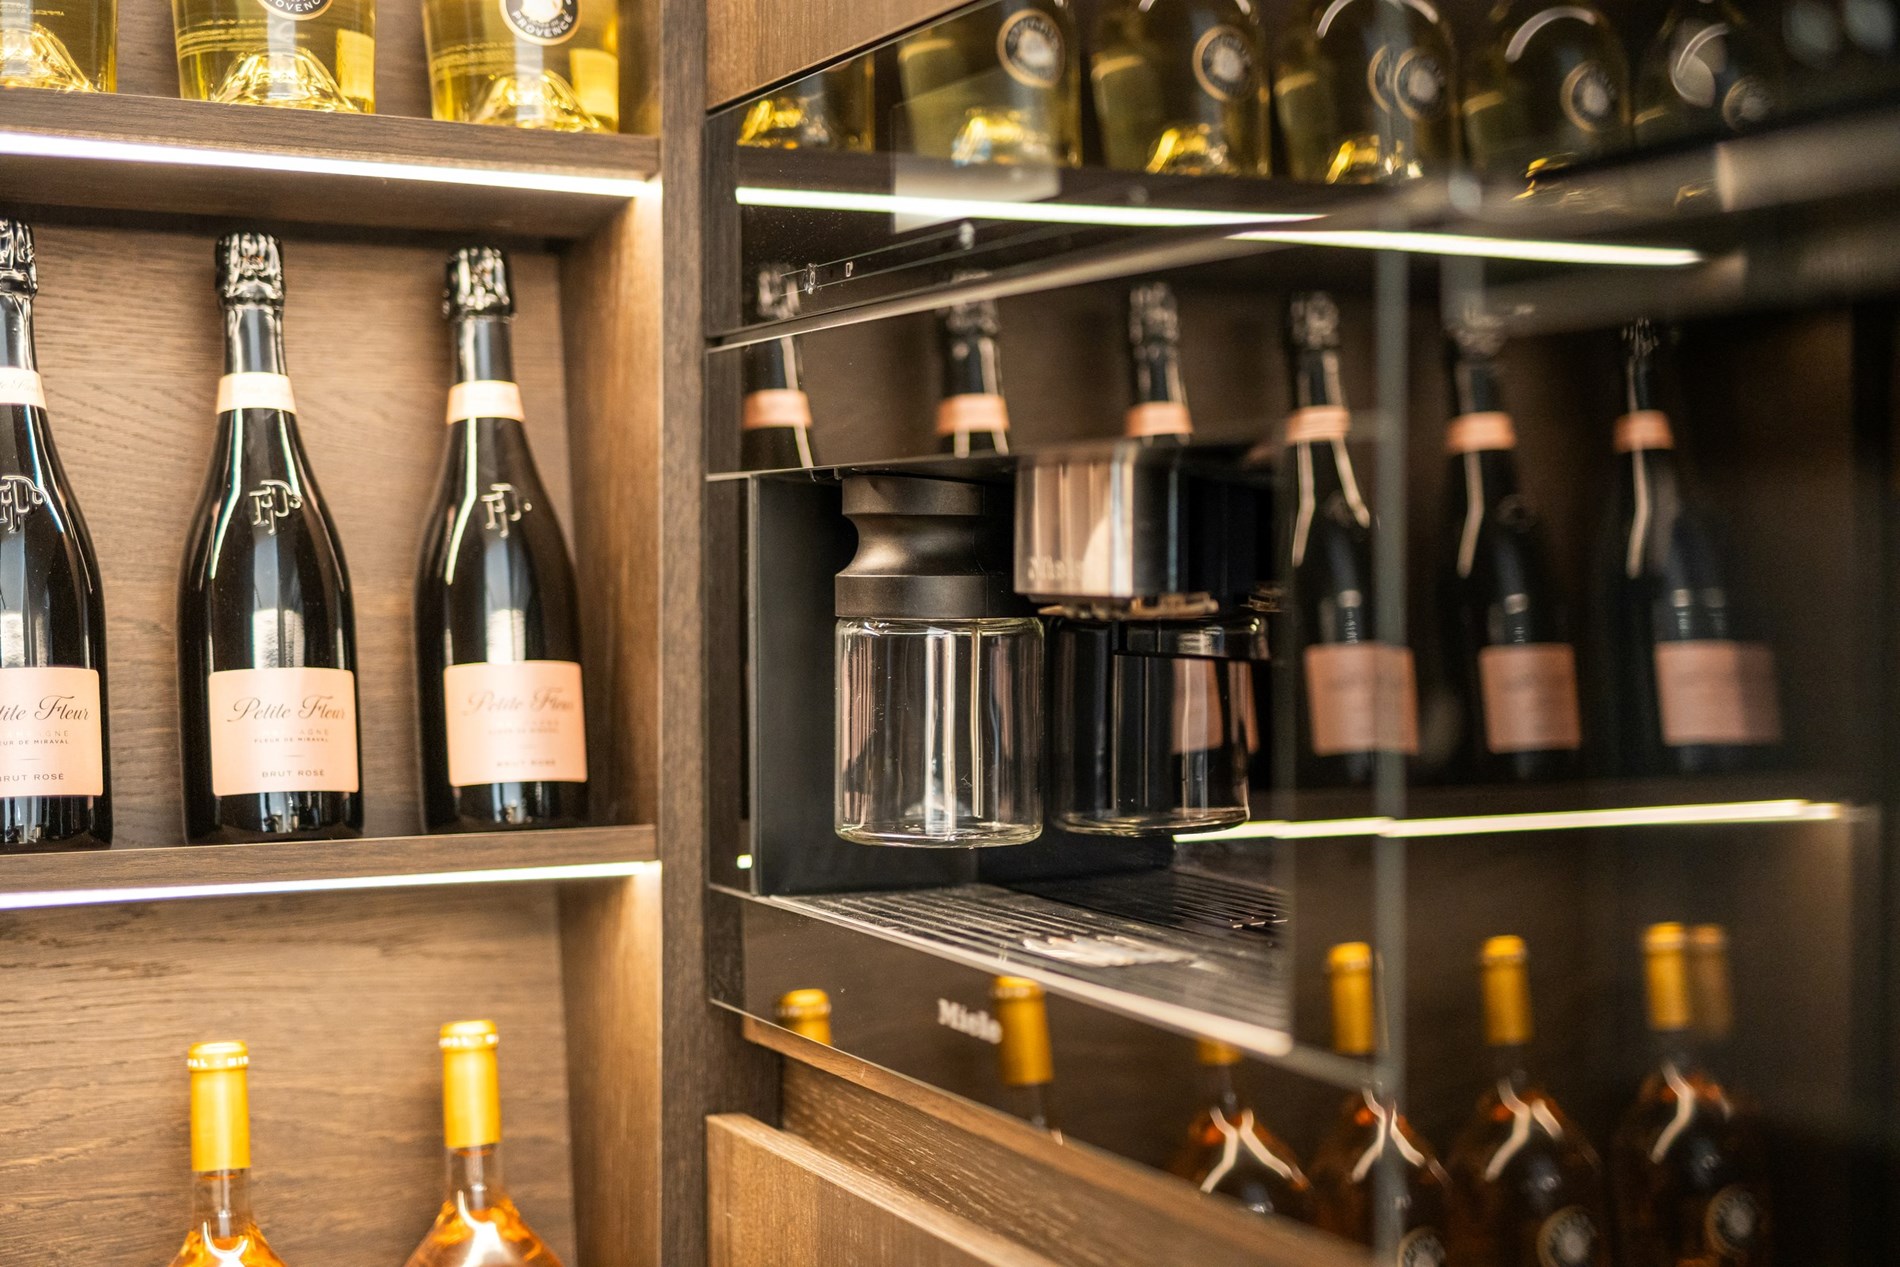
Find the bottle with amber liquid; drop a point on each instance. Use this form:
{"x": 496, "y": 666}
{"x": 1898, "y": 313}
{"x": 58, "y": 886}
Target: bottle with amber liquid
{"x": 830, "y": 110}
{"x": 305, "y": 54}
{"x": 224, "y": 1233}
{"x": 806, "y": 1013}
{"x": 1549, "y": 87}
{"x": 1024, "y": 1062}
{"x": 1375, "y": 1179}
{"x": 999, "y": 83}
{"x": 1181, "y": 87}
{"x": 478, "y": 1225}
{"x": 60, "y": 45}
{"x": 547, "y": 64}
{"x": 972, "y": 417}
{"x": 1687, "y": 1162}
{"x": 775, "y": 419}
{"x": 1526, "y": 1187}
{"x": 1228, "y": 1149}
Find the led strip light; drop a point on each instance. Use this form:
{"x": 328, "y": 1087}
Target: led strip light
{"x": 1787, "y": 811}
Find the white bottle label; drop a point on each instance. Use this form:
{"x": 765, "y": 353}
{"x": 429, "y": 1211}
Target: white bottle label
{"x": 21, "y": 387}
{"x": 485, "y": 398}
{"x": 256, "y": 391}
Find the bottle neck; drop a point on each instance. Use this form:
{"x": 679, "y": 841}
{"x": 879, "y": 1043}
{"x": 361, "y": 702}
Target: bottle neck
{"x": 484, "y": 351}
{"x": 971, "y": 366}
{"x": 1316, "y": 378}
{"x": 1158, "y": 373}
{"x": 1221, "y": 1094}
{"x": 253, "y": 339}
{"x": 16, "y": 331}
{"x": 221, "y": 1203}
{"x": 475, "y": 1182}
{"x": 1639, "y": 381}
{"x": 773, "y": 366}
{"x": 1509, "y": 1064}
{"x": 1671, "y": 1048}
{"x": 1475, "y": 385}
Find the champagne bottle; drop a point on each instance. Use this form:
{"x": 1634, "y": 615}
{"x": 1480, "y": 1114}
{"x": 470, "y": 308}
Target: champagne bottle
{"x": 1526, "y": 1187}
{"x": 995, "y": 84}
{"x": 972, "y": 417}
{"x": 1708, "y": 72}
{"x": 1181, "y": 87}
{"x": 478, "y": 1225}
{"x": 1230, "y": 1151}
{"x": 307, "y": 54}
{"x": 1687, "y": 1161}
{"x": 1024, "y": 1061}
{"x": 548, "y": 64}
{"x": 55, "y": 788}
{"x": 775, "y": 425}
{"x": 504, "y": 733}
{"x": 266, "y": 635}
{"x": 1364, "y": 91}
{"x": 224, "y": 1233}
{"x": 1548, "y": 87}
{"x": 1375, "y": 1179}
{"x": 1504, "y": 630}
{"x": 1160, "y": 412}
{"x": 1688, "y": 694}
{"x": 60, "y": 45}
{"x": 1356, "y": 696}
{"x": 830, "y": 110}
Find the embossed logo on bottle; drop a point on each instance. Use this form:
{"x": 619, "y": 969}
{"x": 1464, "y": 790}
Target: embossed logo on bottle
{"x": 1411, "y": 82}
{"x": 296, "y": 10}
{"x": 1223, "y": 64}
{"x": 1567, "y": 1238}
{"x": 1029, "y": 45}
{"x": 503, "y": 505}
{"x": 1421, "y": 1248}
{"x": 272, "y": 500}
{"x": 18, "y": 496}
{"x": 1589, "y": 97}
{"x": 1732, "y": 1222}
{"x": 542, "y": 21}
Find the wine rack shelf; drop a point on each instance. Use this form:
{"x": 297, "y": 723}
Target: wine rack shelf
{"x": 119, "y": 152}
{"x": 40, "y": 881}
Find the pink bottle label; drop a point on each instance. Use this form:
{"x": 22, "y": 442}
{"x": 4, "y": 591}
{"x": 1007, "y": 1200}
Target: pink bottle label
{"x": 1717, "y": 692}
{"x": 50, "y": 740}
{"x": 282, "y": 730}
{"x": 1530, "y": 698}
{"x": 1361, "y": 697}
{"x": 521, "y": 722}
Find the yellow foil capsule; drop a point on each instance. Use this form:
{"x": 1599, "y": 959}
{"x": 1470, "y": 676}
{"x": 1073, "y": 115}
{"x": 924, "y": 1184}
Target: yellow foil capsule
{"x": 1349, "y": 966}
{"x": 806, "y": 1013}
{"x": 220, "y": 1106}
{"x": 1507, "y": 992}
{"x": 1712, "y": 1000}
{"x": 471, "y": 1084}
{"x": 1024, "y": 1054}
{"x": 1210, "y": 1052}
{"x": 1666, "y": 974}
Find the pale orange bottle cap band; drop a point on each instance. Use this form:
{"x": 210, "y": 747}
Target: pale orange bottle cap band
{"x": 1317, "y": 424}
{"x": 1157, "y": 418}
{"x": 1214, "y": 1054}
{"x": 1644, "y": 429}
{"x": 776, "y": 407}
{"x": 1480, "y": 433}
{"x": 973, "y": 411}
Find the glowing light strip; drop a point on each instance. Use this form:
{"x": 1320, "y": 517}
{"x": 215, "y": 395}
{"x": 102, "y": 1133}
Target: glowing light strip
{"x": 1788, "y": 811}
{"x": 40, "y": 145}
{"x": 43, "y": 899}
{"x": 1000, "y": 209}
{"x": 1463, "y": 244}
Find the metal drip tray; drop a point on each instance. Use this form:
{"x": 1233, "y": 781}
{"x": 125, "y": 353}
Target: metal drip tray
{"x": 1188, "y": 901}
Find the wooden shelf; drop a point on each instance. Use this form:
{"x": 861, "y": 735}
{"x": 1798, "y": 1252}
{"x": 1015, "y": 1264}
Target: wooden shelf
{"x": 38, "y": 881}
{"x": 154, "y": 154}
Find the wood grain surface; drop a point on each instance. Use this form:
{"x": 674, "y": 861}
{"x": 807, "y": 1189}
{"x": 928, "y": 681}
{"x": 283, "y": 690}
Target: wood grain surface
{"x": 753, "y": 43}
{"x": 130, "y": 349}
{"x": 339, "y": 997}
{"x": 773, "y": 1198}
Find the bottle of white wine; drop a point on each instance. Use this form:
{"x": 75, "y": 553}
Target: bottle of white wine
{"x": 996, "y": 84}
{"x": 63, "y": 47}
{"x": 1709, "y": 72}
{"x": 1365, "y": 91}
{"x": 549, "y": 64}
{"x": 1181, "y": 87}
{"x": 309, "y": 54}
{"x": 1549, "y": 86}
{"x": 224, "y": 1232}
{"x": 830, "y": 110}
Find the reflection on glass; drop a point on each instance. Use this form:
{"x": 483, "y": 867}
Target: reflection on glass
{"x": 1549, "y": 86}
{"x": 806, "y": 1013}
{"x": 830, "y": 110}
{"x": 972, "y": 416}
{"x": 1181, "y": 87}
{"x": 1159, "y": 414}
{"x": 1230, "y": 1151}
{"x": 1708, "y": 72}
{"x": 775, "y": 420}
{"x": 1023, "y": 1058}
{"x": 999, "y": 84}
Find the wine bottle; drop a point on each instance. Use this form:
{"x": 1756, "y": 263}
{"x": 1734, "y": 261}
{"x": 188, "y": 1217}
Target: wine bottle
{"x": 995, "y": 84}
{"x": 1364, "y": 91}
{"x": 504, "y": 732}
{"x": 1526, "y": 1187}
{"x": 1024, "y": 1062}
{"x": 1356, "y": 696}
{"x": 307, "y": 54}
{"x": 972, "y": 417}
{"x": 1181, "y": 87}
{"x": 1229, "y": 1150}
{"x": 55, "y": 787}
{"x": 1375, "y": 1179}
{"x": 1687, "y": 1161}
{"x": 1838, "y": 51}
{"x": 547, "y": 64}
{"x": 1687, "y": 693}
{"x": 830, "y": 110}
{"x": 1160, "y": 412}
{"x": 806, "y": 1013}
{"x": 478, "y": 1225}
{"x": 1708, "y": 72}
{"x": 224, "y": 1233}
{"x": 775, "y": 423}
{"x": 1548, "y": 87}
{"x": 1505, "y": 633}
{"x": 60, "y": 45}
{"x": 266, "y": 634}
